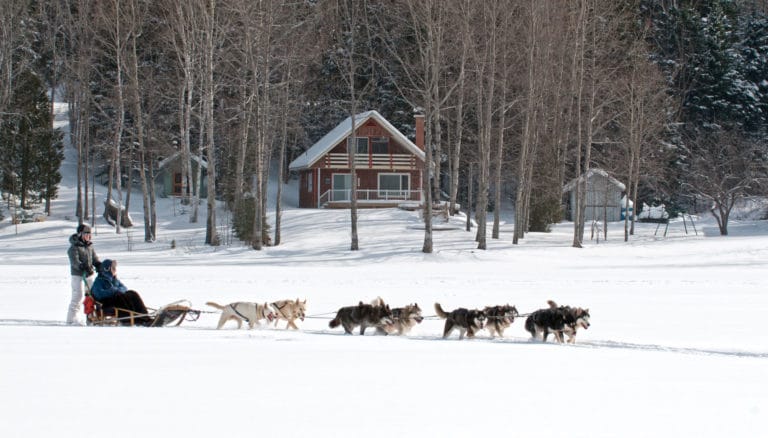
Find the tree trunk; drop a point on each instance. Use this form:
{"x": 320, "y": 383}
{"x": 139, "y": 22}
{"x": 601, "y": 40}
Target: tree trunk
{"x": 138, "y": 120}
{"x": 211, "y": 235}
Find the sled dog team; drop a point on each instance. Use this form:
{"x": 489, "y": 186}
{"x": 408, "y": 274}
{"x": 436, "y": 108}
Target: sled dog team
{"x": 556, "y": 320}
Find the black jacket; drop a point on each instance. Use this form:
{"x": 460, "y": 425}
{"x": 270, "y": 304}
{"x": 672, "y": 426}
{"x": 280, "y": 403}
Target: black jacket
{"x": 82, "y": 257}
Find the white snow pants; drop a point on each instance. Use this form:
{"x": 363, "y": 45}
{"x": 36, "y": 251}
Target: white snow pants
{"x": 77, "y": 297}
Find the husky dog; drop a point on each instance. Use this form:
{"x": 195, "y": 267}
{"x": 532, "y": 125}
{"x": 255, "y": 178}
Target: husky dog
{"x": 498, "y": 318}
{"x": 289, "y": 310}
{"x": 542, "y": 322}
{"x": 575, "y": 317}
{"x": 241, "y": 311}
{"x": 557, "y": 320}
{"x": 363, "y": 315}
{"x": 405, "y": 318}
{"x": 466, "y": 321}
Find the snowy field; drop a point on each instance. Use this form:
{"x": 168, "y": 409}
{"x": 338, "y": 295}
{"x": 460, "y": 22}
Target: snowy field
{"x": 677, "y": 346}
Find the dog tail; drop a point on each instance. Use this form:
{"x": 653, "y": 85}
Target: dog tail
{"x": 212, "y": 304}
{"x": 529, "y": 325}
{"x": 335, "y": 322}
{"x": 552, "y": 304}
{"x": 440, "y": 312}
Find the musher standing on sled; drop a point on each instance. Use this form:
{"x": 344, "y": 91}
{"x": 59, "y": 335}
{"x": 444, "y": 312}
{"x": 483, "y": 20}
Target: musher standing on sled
{"x": 83, "y": 262}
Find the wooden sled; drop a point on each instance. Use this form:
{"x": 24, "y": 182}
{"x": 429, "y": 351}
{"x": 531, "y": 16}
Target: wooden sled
{"x": 176, "y": 312}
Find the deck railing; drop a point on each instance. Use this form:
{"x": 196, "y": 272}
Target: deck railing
{"x": 383, "y": 196}
{"x": 373, "y": 161}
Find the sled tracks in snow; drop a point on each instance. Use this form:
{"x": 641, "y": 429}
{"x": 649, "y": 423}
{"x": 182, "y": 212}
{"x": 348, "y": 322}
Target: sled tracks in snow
{"x": 668, "y": 349}
{"x": 592, "y": 344}
{"x": 34, "y": 323}
{"x": 587, "y": 344}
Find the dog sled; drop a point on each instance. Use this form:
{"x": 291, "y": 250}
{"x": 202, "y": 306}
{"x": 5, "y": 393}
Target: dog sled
{"x": 171, "y": 314}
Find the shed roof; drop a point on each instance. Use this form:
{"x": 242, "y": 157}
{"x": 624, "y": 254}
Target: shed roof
{"x": 342, "y": 131}
{"x": 590, "y": 173}
{"x": 164, "y": 162}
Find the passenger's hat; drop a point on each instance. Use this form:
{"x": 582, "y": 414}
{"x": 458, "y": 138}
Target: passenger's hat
{"x": 83, "y": 228}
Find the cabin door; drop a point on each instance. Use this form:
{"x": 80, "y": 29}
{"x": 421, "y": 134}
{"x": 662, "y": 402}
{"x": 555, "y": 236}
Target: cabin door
{"x": 342, "y": 184}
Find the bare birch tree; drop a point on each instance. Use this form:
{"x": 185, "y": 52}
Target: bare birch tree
{"x": 209, "y": 89}
{"x": 486, "y": 66}
{"x": 135, "y": 18}
{"x": 349, "y": 14}
{"x": 463, "y": 35}
{"x": 114, "y": 42}
{"x": 647, "y": 103}
{"x": 182, "y": 18}
{"x": 424, "y": 86}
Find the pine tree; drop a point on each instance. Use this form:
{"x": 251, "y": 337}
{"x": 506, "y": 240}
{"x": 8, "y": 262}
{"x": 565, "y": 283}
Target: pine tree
{"x": 32, "y": 150}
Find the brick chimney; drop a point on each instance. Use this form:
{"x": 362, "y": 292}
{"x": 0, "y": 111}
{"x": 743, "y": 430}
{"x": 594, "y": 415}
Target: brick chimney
{"x": 419, "y": 118}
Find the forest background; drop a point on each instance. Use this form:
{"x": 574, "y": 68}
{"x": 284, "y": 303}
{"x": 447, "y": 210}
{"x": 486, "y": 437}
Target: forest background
{"x": 519, "y": 97}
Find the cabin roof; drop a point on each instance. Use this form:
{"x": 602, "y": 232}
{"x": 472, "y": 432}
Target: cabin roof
{"x": 342, "y": 131}
{"x": 590, "y": 173}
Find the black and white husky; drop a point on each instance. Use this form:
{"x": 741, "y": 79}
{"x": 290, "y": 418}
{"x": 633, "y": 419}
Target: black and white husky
{"x": 498, "y": 318}
{"x": 557, "y": 320}
{"x": 467, "y": 321}
{"x": 363, "y": 315}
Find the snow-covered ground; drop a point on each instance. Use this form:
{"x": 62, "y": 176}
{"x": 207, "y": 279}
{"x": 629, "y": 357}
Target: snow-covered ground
{"x": 677, "y": 346}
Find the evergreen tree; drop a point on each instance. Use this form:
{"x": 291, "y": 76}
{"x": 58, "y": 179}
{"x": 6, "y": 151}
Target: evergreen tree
{"x": 752, "y": 47}
{"x": 32, "y": 150}
{"x": 715, "y": 56}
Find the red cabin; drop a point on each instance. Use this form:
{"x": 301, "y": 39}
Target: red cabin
{"x": 387, "y": 164}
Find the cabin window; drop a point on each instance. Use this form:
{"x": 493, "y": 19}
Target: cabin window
{"x": 380, "y": 145}
{"x": 309, "y": 182}
{"x": 394, "y": 184}
{"x": 362, "y": 145}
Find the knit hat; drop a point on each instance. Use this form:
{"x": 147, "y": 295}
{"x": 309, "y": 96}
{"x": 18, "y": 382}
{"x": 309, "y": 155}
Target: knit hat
{"x": 83, "y": 228}
{"x": 106, "y": 265}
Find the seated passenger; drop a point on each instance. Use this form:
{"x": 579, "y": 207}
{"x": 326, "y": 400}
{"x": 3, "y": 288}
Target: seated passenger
{"x": 111, "y": 292}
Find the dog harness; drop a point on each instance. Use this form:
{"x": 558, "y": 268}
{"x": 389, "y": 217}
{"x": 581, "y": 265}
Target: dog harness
{"x": 280, "y": 309}
{"x": 234, "y": 309}
{"x": 264, "y": 315}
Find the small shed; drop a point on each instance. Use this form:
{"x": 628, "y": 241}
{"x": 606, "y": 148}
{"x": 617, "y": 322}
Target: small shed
{"x": 168, "y": 177}
{"x": 603, "y": 197}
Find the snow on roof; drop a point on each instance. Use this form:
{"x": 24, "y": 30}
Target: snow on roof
{"x": 342, "y": 131}
{"x": 164, "y": 162}
{"x": 591, "y": 172}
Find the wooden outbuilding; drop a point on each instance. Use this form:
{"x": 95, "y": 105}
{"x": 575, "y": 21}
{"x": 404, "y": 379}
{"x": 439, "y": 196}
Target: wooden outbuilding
{"x": 168, "y": 176}
{"x": 603, "y": 196}
{"x": 388, "y": 165}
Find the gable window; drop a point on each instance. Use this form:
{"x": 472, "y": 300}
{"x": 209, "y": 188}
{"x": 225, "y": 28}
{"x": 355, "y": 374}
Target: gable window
{"x": 380, "y": 145}
{"x": 394, "y": 185}
{"x": 362, "y": 145}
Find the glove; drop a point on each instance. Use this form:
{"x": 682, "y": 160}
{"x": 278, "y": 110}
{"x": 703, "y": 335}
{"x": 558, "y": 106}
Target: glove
{"x": 97, "y": 265}
{"x": 87, "y": 270}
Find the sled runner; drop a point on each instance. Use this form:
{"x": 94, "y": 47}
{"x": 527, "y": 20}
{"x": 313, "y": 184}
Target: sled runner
{"x": 176, "y": 312}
